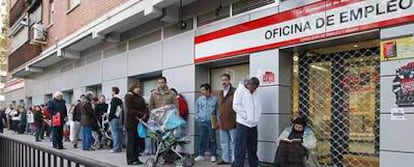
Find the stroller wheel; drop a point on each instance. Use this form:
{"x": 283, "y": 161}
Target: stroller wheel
{"x": 189, "y": 161}
{"x": 150, "y": 163}
{"x": 179, "y": 163}
{"x": 161, "y": 160}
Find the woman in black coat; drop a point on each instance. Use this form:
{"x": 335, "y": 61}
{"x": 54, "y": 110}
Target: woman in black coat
{"x": 135, "y": 109}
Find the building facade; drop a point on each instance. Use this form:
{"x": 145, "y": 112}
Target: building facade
{"x": 346, "y": 65}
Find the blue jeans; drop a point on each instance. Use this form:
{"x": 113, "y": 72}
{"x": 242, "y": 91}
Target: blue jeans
{"x": 227, "y": 144}
{"x": 206, "y": 133}
{"x": 116, "y": 131}
{"x": 86, "y": 138}
{"x": 149, "y": 149}
{"x": 246, "y": 140}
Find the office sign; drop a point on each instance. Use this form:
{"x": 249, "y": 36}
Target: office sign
{"x": 319, "y": 20}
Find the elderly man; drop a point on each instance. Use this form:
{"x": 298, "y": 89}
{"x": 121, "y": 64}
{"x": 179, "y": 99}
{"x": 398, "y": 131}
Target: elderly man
{"x": 58, "y": 112}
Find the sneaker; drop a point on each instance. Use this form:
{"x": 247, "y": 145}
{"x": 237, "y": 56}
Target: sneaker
{"x": 213, "y": 159}
{"x": 199, "y": 158}
{"x": 114, "y": 151}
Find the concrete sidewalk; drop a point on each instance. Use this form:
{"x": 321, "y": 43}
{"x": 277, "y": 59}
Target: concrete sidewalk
{"x": 102, "y": 155}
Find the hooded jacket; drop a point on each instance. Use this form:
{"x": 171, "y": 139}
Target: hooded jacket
{"x": 248, "y": 106}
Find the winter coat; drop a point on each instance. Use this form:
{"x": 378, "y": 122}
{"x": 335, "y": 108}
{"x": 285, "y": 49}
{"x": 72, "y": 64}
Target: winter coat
{"x": 87, "y": 114}
{"x": 160, "y": 98}
{"x": 227, "y": 116}
{"x": 135, "y": 109}
{"x": 57, "y": 106}
{"x": 247, "y": 106}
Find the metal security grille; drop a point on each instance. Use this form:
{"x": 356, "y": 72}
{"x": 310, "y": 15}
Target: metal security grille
{"x": 339, "y": 93}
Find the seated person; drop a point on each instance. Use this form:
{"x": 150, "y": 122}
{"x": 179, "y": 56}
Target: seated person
{"x": 294, "y": 144}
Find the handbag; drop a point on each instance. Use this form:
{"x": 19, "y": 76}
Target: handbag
{"x": 56, "y": 120}
{"x": 142, "y": 130}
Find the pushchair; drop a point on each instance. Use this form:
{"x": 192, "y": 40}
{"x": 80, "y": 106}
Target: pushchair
{"x": 166, "y": 127}
{"x": 105, "y": 132}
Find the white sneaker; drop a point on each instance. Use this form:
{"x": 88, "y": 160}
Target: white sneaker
{"x": 213, "y": 159}
{"x": 199, "y": 158}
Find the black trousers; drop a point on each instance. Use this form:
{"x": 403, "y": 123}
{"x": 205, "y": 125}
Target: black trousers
{"x": 133, "y": 146}
{"x": 57, "y": 134}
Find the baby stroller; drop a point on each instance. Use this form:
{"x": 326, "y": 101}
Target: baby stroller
{"x": 166, "y": 127}
{"x": 105, "y": 131}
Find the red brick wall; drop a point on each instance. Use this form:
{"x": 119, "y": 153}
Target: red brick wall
{"x": 22, "y": 55}
{"x": 67, "y": 23}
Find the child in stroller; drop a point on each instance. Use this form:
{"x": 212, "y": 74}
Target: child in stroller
{"x": 166, "y": 127}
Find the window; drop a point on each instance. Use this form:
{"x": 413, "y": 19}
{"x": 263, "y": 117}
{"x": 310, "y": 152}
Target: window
{"x": 247, "y": 5}
{"x": 219, "y": 13}
{"x": 51, "y": 12}
{"x": 72, "y": 4}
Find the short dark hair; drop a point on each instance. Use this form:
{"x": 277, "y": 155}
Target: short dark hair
{"x": 226, "y": 75}
{"x": 82, "y": 96}
{"x": 115, "y": 90}
{"x": 163, "y": 78}
{"x": 255, "y": 81}
{"x": 206, "y": 86}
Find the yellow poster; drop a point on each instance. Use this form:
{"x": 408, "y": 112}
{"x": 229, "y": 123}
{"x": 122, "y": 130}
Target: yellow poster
{"x": 395, "y": 49}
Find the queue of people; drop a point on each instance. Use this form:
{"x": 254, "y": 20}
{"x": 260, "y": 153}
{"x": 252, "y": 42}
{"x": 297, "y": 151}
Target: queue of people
{"x": 234, "y": 113}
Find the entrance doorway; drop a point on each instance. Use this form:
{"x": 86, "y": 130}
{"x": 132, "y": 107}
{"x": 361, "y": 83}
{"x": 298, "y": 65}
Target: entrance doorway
{"x": 337, "y": 88}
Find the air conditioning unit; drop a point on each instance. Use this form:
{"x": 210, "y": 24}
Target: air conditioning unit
{"x": 39, "y": 34}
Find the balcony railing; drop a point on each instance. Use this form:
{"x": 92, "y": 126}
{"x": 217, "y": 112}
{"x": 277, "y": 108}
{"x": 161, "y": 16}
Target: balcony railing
{"x": 18, "y": 9}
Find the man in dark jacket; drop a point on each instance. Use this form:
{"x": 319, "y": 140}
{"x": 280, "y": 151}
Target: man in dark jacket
{"x": 87, "y": 121}
{"x": 58, "y": 112}
{"x": 227, "y": 118}
{"x": 135, "y": 109}
{"x": 115, "y": 114}
{"x": 3, "y": 120}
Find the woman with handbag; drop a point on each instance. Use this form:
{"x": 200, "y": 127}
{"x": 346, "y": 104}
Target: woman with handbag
{"x": 58, "y": 112}
{"x": 135, "y": 108}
